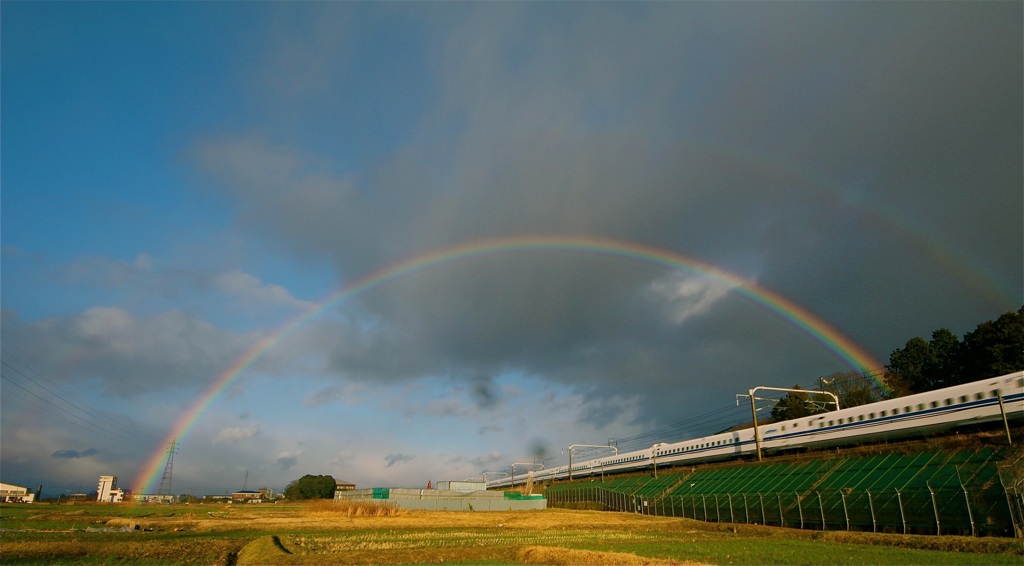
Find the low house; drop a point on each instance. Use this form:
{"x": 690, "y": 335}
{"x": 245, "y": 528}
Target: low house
{"x": 249, "y": 496}
{"x": 245, "y": 496}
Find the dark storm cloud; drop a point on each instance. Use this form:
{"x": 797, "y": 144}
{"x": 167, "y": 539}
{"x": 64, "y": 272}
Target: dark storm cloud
{"x": 483, "y": 392}
{"x": 393, "y": 459}
{"x": 820, "y": 149}
{"x": 286, "y": 461}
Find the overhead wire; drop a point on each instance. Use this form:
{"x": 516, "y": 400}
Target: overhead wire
{"x": 63, "y": 393}
{"x": 58, "y": 411}
{"x": 705, "y": 424}
{"x": 58, "y": 404}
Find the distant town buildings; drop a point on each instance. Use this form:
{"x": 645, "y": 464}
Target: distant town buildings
{"x": 108, "y": 492}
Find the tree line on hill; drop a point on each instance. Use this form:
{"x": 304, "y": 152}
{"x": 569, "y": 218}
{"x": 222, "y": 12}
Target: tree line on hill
{"x": 995, "y": 347}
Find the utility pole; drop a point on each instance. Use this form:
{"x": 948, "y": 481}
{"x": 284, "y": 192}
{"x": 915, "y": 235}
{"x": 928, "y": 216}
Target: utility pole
{"x": 529, "y": 465}
{"x": 753, "y": 407}
{"x": 574, "y": 446}
{"x": 757, "y": 435}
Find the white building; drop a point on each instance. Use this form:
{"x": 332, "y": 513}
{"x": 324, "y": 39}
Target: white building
{"x": 107, "y": 491}
{"x": 15, "y": 494}
{"x": 154, "y": 498}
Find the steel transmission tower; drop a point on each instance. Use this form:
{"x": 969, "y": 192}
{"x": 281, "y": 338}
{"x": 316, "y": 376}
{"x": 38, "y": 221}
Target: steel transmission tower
{"x": 165, "y": 482}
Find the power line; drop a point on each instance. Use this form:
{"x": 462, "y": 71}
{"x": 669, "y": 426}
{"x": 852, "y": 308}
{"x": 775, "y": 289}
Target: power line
{"x": 88, "y": 410}
{"x": 60, "y": 412}
{"x": 76, "y": 414}
{"x": 704, "y": 424}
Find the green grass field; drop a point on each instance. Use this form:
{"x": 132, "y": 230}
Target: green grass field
{"x": 327, "y": 533}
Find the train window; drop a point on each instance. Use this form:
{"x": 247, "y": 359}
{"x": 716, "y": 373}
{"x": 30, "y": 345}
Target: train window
{"x": 871, "y": 415}
{"x": 884, "y": 414}
{"x": 1020, "y": 382}
{"x": 895, "y": 410}
{"x": 906, "y": 409}
{"x": 829, "y": 423}
{"x": 963, "y": 398}
{"x": 979, "y": 396}
{"x": 949, "y": 401}
{"x": 934, "y": 404}
{"x": 997, "y": 393}
{"x": 920, "y": 406}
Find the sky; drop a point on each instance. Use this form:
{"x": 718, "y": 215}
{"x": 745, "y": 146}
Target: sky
{"x": 407, "y": 242}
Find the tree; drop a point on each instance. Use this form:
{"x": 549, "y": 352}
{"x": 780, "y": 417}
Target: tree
{"x": 852, "y": 388}
{"x": 994, "y": 348}
{"x": 925, "y": 366}
{"x": 793, "y": 406}
{"x": 311, "y": 487}
{"x": 906, "y": 368}
{"x": 943, "y": 368}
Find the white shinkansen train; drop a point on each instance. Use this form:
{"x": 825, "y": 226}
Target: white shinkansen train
{"x": 993, "y": 399}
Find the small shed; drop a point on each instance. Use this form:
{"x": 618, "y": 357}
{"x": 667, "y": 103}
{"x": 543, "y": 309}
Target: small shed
{"x": 342, "y": 485}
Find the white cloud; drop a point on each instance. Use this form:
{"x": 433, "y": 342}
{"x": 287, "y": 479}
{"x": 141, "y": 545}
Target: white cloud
{"x": 686, "y": 296}
{"x": 235, "y": 434}
{"x": 250, "y": 291}
{"x": 143, "y": 277}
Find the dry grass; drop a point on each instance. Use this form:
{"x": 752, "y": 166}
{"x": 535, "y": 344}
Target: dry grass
{"x": 368, "y": 533}
{"x": 329, "y": 508}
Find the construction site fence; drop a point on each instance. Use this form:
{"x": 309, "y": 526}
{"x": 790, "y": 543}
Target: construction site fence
{"x": 979, "y": 511}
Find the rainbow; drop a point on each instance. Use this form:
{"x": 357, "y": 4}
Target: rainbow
{"x": 801, "y": 318}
